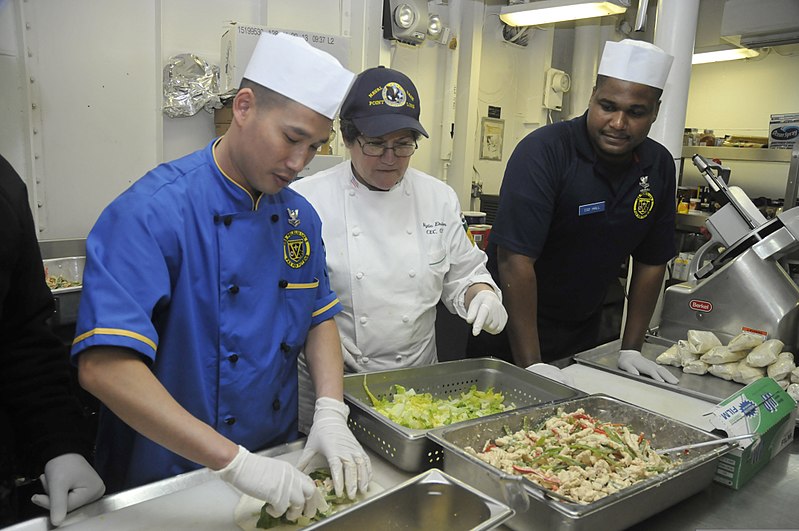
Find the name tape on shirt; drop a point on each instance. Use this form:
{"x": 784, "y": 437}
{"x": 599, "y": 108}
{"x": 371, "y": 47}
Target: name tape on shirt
{"x": 591, "y": 208}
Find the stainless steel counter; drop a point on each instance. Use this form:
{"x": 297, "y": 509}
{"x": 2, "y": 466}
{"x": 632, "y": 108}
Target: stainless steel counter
{"x": 768, "y": 501}
{"x": 198, "y": 500}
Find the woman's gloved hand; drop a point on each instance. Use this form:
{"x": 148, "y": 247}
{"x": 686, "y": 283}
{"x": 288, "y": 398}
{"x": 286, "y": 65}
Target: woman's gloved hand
{"x": 284, "y": 488}
{"x": 69, "y": 482}
{"x": 350, "y": 467}
{"x": 553, "y": 373}
{"x": 352, "y": 355}
{"x": 486, "y": 312}
{"x": 634, "y": 362}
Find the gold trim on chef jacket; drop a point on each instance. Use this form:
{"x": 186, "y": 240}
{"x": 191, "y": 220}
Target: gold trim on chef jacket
{"x": 116, "y": 332}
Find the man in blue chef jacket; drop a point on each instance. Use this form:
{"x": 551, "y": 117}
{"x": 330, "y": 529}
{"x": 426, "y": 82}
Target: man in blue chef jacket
{"x": 577, "y": 198}
{"x": 202, "y": 283}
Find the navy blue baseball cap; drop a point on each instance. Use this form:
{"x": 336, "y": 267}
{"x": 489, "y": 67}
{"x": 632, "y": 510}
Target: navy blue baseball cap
{"x": 382, "y": 101}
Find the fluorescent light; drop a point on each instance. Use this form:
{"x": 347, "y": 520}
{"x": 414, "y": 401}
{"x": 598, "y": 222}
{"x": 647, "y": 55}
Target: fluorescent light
{"x": 723, "y": 55}
{"x": 549, "y": 11}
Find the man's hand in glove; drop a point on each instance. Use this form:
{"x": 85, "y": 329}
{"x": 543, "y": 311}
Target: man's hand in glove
{"x": 633, "y": 362}
{"x": 284, "y": 488}
{"x": 350, "y": 467}
{"x": 486, "y": 312}
{"x": 70, "y": 482}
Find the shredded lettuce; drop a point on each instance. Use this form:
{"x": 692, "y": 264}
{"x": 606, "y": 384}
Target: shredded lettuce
{"x": 324, "y": 483}
{"x": 420, "y": 411}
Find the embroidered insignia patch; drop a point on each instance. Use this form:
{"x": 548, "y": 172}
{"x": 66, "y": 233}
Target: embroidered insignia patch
{"x": 394, "y": 95}
{"x": 296, "y": 248}
{"x": 294, "y": 219}
{"x": 643, "y": 205}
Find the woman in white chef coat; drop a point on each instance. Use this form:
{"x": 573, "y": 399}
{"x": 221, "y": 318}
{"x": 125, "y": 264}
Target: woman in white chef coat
{"x": 395, "y": 238}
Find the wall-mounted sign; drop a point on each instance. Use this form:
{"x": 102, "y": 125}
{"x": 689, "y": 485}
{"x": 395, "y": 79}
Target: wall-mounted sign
{"x": 491, "y": 132}
{"x": 238, "y": 43}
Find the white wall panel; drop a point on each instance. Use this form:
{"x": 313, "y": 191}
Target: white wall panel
{"x": 96, "y": 105}
{"x": 14, "y": 141}
{"x": 195, "y": 26}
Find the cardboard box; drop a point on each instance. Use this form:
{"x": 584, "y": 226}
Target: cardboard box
{"x": 238, "y": 43}
{"x": 761, "y": 407}
{"x": 783, "y": 131}
{"x": 222, "y": 118}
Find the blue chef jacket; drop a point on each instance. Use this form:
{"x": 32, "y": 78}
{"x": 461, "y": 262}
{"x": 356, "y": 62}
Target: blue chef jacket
{"x": 216, "y": 291}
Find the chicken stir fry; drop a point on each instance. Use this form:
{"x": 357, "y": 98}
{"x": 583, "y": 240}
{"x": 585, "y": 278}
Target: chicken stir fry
{"x": 576, "y": 455}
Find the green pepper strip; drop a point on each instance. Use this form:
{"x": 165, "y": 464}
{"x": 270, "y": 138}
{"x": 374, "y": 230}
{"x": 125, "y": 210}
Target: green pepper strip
{"x": 615, "y": 437}
{"x": 551, "y": 452}
{"x": 568, "y": 460}
{"x": 594, "y": 450}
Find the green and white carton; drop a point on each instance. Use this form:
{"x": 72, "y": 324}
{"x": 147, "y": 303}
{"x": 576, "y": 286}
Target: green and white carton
{"x": 761, "y": 407}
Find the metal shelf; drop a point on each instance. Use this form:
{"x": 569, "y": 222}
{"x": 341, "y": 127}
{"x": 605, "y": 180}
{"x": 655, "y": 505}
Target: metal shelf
{"x": 691, "y": 222}
{"x": 733, "y": 153}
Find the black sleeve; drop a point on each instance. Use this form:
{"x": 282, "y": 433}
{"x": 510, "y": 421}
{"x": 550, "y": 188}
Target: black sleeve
{"x": 44, "y": 416}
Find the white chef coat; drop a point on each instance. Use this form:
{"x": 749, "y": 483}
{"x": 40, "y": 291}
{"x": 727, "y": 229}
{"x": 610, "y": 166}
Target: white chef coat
{"x": 391, "y": 257}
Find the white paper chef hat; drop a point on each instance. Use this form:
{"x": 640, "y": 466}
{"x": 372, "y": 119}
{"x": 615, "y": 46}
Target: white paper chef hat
{"x": 636, "y": 61}
{"x": 292, "y": 67}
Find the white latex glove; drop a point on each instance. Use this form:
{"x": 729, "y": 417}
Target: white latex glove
{"x": 486, "y": 313}
{"x": 633, "y": 362}
{"x": 553, "y": 373}
{"x": 284, "y": 488}
{"x": 331, "y": 437}
{"x": 351, "y": 355}
{"x": 70, "y": 482}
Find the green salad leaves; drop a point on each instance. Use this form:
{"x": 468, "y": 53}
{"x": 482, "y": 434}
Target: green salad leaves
{"x": 421, "y": 411}
{"x": 324, "y": 483}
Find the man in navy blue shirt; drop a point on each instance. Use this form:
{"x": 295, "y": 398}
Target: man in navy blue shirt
{"x": 577, "y": 199}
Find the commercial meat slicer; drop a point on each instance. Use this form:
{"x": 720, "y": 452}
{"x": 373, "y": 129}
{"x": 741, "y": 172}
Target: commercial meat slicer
{"x": 745, "y": 287}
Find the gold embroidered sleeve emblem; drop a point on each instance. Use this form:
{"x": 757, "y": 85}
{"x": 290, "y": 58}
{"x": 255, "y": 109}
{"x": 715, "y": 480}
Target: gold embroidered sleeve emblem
{"x": 643, "y": 205}
{"x": 296, "y": 248}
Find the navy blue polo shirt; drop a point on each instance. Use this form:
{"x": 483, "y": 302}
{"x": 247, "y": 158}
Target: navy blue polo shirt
{"x": 558, "y": 205}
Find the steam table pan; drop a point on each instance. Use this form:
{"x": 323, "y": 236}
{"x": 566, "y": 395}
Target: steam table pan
{"x": 431, "y": 500}
{"x": 411, "y": 450}
{"x": 538, "y": 510}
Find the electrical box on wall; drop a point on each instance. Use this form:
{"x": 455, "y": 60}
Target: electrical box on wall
{"x": 557, "y": 82}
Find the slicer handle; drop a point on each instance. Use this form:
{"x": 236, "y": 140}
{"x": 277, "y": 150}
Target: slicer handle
{"x": 718, "y": 184}
{"x": 696, "y": 261}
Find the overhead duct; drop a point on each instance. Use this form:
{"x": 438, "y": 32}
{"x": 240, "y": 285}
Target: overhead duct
{"x": 760, "y": 24}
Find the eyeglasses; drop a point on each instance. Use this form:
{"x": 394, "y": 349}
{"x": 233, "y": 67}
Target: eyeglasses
{"x": 376, "y": 149}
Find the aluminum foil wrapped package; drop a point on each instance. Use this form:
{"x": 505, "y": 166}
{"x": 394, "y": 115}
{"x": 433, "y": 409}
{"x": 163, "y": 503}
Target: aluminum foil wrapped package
{"x": 190, "y": 84}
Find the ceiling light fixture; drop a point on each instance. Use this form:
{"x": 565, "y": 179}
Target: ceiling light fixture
{"x": 539, "y": 12}
{"x": 729, "y": 54}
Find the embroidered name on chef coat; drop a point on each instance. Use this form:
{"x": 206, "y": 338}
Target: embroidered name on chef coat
{"x": 296, "y": 248}
{"x": 644, "y": 203}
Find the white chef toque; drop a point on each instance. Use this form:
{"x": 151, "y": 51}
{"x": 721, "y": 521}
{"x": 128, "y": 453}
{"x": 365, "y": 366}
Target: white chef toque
{"x": 636, "y": 61}
{"x": 292, "y": 67}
